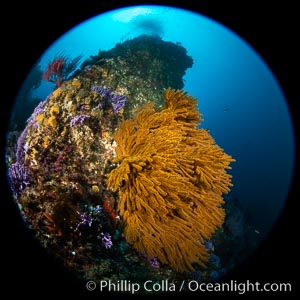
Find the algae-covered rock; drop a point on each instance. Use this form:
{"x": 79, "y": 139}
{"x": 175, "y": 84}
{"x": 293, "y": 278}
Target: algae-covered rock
{"x": 60, "y": 162}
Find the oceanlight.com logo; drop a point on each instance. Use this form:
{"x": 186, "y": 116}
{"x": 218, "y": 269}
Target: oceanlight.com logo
{"x": 186, "y": 285}
{"x": 239, "y": 287}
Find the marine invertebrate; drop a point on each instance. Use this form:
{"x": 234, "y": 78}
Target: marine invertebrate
{"x": 102, "y": 90}
{"x": 20, "y": 151}
{"x": 19, "y": 177}
{"x": 171, "y": 176}
{"x": 153, "y": 262}
{"x": 33, "y": 120}
{"x": 105, "y": 238}
{"x": 89, "y": 216}
{"x": 60, "y": 68}
{"x": 66, "y": 150}
{"x": 117, "y": 100}
{"x": 79, "y": 119}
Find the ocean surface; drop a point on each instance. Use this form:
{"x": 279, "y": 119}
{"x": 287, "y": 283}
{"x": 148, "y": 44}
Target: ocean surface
{"x": 240, "y": 99}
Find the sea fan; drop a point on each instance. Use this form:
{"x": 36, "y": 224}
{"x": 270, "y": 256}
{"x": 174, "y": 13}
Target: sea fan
{"x": 171, "y": 176}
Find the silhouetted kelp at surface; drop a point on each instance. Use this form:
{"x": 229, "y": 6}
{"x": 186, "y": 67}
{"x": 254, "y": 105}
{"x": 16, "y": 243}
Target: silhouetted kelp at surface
{"x": 148, "y": 25}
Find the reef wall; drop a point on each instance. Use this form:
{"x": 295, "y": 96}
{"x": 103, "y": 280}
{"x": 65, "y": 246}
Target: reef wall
{"x": 68, "y": 173}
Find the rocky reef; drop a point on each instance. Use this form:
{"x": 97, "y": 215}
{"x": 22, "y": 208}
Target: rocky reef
{"x": 60, "y": 163}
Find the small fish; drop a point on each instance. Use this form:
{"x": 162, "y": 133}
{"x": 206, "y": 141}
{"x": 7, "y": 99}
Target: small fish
{"x": 226, "y": 109}
{"x": 256, "y": 231}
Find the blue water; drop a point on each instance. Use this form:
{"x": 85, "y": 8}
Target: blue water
{"x": 241, "y": 101}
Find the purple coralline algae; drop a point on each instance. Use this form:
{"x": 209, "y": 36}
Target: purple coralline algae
{"x": 87, "y": 218}
{"x": 106, "y": 240}
{"x": 153, "y": 262}
{"x": 21, "y": 150}
{"x": 38, "y": 110}
{"x": 117, "y": 100}
{"x": 19, "y": 177}
{"x": 102, "y": 90}
{"x": 21, "y": 142}
{"x": 79, "y": 119}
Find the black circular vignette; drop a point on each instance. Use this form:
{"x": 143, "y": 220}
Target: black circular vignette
{"x": 30, "y": 30}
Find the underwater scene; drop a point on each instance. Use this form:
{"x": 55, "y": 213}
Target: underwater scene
{"x": 136, "y": 152}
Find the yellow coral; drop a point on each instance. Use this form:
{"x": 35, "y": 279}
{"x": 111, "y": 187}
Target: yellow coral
{"x": 52, "y": 122}
{"x": 54, "y": 110}
{"x": 46, "y": 142}
{"x": 95, "y": 189}
{"x": 171, "y": 176}
{"x": 40, "y": 118}
{"x": 76, "y": 83}
{"x": 57, "y": 92}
